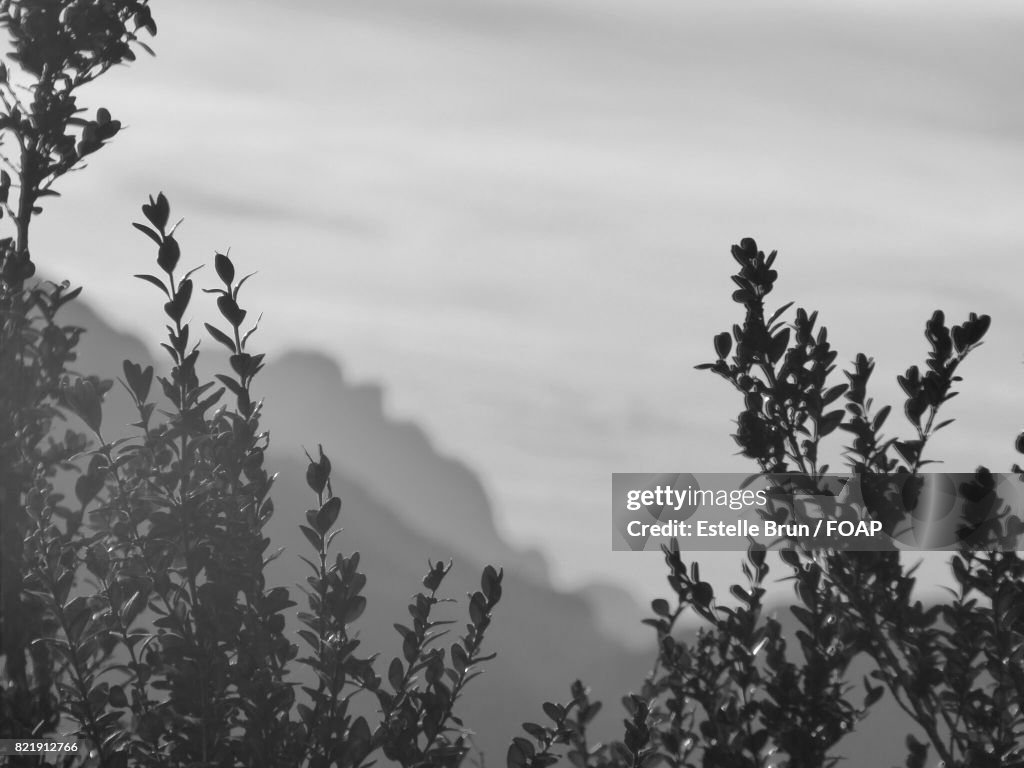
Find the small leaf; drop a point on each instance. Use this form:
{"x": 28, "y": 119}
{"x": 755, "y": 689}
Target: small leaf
{"x": 723, "y": 344}
{"x": 538, "y": 732}
{"x": 157, "y": 211}
{"x": 459, "y": 658}
{"x": 396, "y": 674}
{"x": 410, "y": 648}
{"x": 779, "y": 344}
{"x": 327, "y": 515}
{"x": 147, "y": 232}
{"x": 740, "y": 593}
{"x": 318, "y": 472}
{"x": 225, "y": 269}
{"x": 554, "y": 711}
{"x": 157, "y": 282}
{"x": 169, "y": 255}
{"x": 703, "y": 594}
{"x": 356, "y": 607}
{"x": 82, "y": 397}
{"x": 490, "y": 583}
{"x": 176, "y": 307}
{"x": 139, "y": 381}
{"x": 833, "y": 393}
{"x": 314, "y": 538}
{"x": 359, "y": 737}
{"x": 221, "y": 337}
{"x": 829, "y": 423}
{"x": 230, "y": 310}
{"x": 117, "y": 697}
{"x": 515, "y": 758}
{"x": 478, "y": 609}
{"x": 778, "y": 313}
{"x": 433, "y": 579}
{"x": 879, "y": 420}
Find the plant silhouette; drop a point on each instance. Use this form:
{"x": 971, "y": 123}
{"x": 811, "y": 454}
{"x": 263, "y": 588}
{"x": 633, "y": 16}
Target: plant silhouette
{"x": 137, "y": 613}
{"x": 734, "y": 696}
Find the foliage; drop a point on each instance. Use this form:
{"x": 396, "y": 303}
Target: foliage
{"x": 59, "y": 47}
{"x": 178, "y": 556}
{"x": 136, "y": 614}
{"x": 922, "y": 656}
{"x": 732, "y": 698}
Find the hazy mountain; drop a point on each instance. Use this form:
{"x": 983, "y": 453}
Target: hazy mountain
{"x": 310, "y": 401}
{"x": 436, "y": 495}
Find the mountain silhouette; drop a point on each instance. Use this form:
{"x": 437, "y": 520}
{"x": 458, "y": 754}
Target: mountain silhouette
{"x": 309, "y": 401}
{"x": 438, "y": 496}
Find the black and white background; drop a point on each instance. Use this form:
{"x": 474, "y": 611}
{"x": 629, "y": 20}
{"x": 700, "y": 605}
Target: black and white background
{"x": 492, "y": 240}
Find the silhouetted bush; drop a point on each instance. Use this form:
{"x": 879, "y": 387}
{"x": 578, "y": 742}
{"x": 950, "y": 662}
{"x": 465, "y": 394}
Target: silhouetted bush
{"x": 733, "y": 698}
{"x": 137, "y": 614}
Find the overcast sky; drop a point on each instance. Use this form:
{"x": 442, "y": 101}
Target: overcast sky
{"x": 517, "y": 215}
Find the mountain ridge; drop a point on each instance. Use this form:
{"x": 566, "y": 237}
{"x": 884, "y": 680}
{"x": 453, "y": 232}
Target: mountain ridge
{"x": 310, "y": 401}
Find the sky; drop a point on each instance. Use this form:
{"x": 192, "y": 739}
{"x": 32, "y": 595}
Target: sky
{"x": 516, "y": 215}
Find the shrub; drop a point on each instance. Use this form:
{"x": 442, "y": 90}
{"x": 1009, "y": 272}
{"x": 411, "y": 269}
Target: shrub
{"x": 733, "y": 697}
{"x": 179, "y": 653}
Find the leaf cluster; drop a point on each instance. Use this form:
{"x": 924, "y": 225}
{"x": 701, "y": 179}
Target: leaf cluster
{"x": 921, "y": 655}
{"x": 162, "y": 641}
